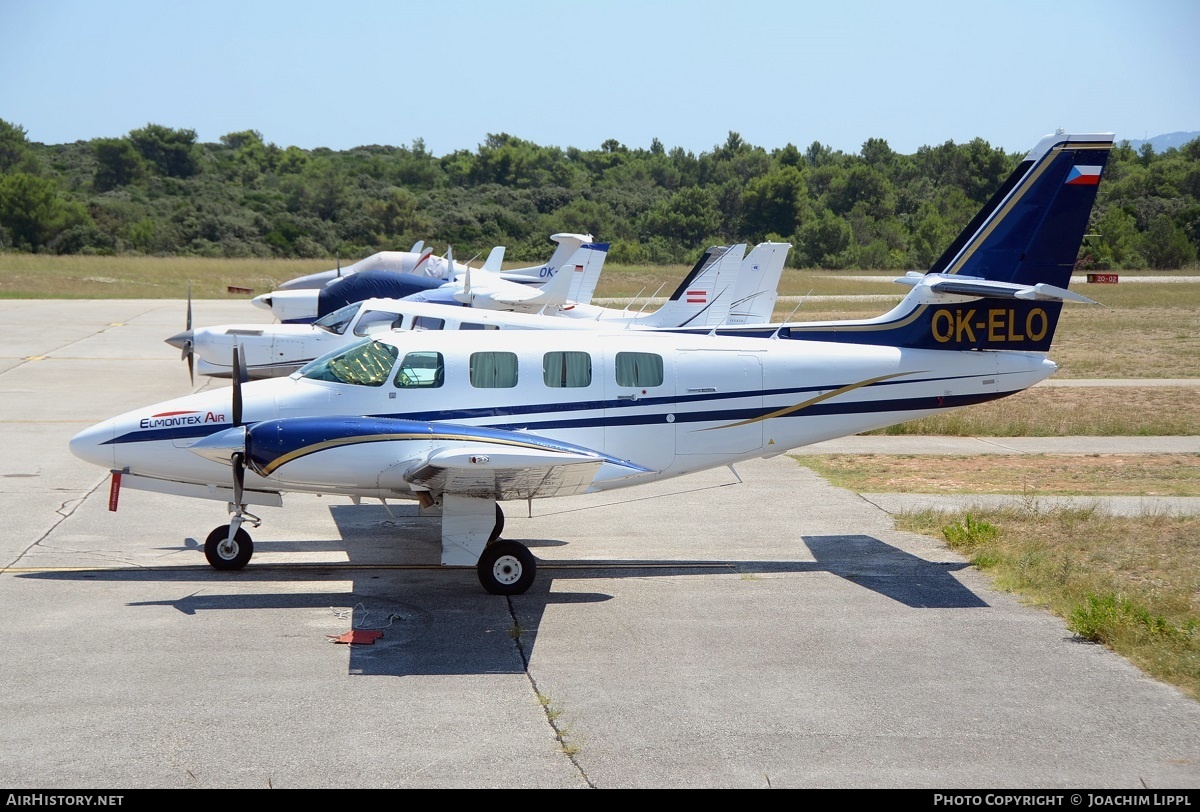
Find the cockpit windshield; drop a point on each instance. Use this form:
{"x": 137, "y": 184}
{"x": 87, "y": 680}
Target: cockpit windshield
{"x": 367, "y": 363}
{"x": 337, "y": 321}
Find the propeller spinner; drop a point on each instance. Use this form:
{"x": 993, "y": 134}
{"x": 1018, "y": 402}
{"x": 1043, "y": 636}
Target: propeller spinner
{"x": 186, "y": 341}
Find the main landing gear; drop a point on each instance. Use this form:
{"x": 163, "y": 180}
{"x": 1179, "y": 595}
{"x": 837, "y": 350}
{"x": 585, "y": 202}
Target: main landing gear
{"x": 504, "y": 567}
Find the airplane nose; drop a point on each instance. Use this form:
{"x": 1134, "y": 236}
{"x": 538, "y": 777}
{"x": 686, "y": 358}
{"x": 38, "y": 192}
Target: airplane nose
{"x": 262, "y": 300}
{"x": 181, "y": 341}
{"x": 95, "y": 445}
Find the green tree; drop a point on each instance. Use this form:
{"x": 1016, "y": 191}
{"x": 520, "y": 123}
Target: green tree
{"x": 688, "y": 217}
{"x": 32, "y": 211}
{"x": 15, "y": 152}
{"x": 877, "y": 153}
{"x": 172, "y": 153}
{"x": 118, "y": 163}
{"x": 1166, "y": 246}
{"x": 772, "y": 203}
{"x": 823, "y": 240}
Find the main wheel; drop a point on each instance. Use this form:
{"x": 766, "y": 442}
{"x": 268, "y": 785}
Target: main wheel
{"x": 506, "y": 568}
{"x": 499, "y": 528}
{"x": 228, "y": 556}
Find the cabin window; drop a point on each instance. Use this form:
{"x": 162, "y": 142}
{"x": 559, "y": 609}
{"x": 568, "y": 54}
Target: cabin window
{"x": 372, "y": 321}
{"x": 427, "y": 323}
{"x": 337, "y": 321}
{"x": 367, "y": 363}
{"x": 567, "y": 369}
{"x": 421, "y": 369}
{"x": 470, "y": 325}
{"x": 639, "y": 369}
{"x": 493, "y": 370}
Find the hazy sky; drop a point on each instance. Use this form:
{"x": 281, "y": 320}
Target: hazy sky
{"x": 566, "y": 73}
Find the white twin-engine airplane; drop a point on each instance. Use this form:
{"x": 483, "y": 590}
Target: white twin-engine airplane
{"x": 443, "y": 279}
{"x": 460, "y": 424}
{"x": 726, "y": 287}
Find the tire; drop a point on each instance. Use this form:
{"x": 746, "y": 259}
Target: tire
{"x": 228, "y": 559}
{"x": 506, "y": 568}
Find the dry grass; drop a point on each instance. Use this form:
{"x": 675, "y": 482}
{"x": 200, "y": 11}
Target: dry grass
{"x": 1129, "y": 583}
{"x": 1070, "y": 411}
{"x": 43, "y": 276}
{"x": 1033, "y": 474}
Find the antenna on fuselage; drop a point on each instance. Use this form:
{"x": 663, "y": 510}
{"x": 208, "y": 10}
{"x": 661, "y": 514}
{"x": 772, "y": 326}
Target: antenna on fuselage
{"x": 803, "y": 299}
{"x": 647, "y": 304}
{"x": 635, "y": 298}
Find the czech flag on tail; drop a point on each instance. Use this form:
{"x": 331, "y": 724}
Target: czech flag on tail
{"x": 1083, "y": 176}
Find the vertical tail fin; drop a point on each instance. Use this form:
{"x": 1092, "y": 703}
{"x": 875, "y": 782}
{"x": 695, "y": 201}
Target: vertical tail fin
{"x": 1031, "y": 230}
{"x": 1002, "y": 283}
{"x": 568, "y": 244}
{"x": 757, "y": 287}
{"x": 584, "y": 267}
{"x": 706, "y": 293}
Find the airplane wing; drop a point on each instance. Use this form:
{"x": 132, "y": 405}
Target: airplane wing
{"x": 509, "y": 474}
{"x": 488, "y": 290}
{"x": 415, "y": 455}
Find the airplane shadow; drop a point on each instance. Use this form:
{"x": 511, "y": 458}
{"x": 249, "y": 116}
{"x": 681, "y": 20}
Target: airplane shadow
{"x": 438, "y": 620}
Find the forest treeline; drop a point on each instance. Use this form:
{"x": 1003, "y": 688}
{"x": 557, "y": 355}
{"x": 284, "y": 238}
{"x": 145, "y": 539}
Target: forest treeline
{"x": 158, "y": 191}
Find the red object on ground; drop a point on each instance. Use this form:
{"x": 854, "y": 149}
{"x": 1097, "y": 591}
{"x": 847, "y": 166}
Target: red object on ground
{"x": 363, "y": 637}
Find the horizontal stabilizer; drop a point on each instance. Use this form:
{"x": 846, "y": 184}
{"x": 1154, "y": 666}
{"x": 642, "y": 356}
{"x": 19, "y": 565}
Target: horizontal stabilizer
{"x": 974, "y": 286}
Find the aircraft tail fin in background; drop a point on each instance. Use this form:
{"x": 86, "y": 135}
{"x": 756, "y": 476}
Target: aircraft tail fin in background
{"x": 757, "y": 287}
{"x": 1002, "y": 282}
{"x": 704, "y": 297}
{"x": 584, "y": 268}
{"x": 495, "y": 260}
{"x": 568, "y": 244}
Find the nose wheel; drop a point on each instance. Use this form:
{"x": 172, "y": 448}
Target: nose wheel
{"x": 228, "y": 550}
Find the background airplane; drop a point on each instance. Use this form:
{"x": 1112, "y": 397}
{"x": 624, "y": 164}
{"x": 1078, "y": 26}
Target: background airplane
{"x": 306, "y": 304}
{"x": 434, "y": 417}
{"x": 722, "y": 280}
{"x": 406, "y": 262}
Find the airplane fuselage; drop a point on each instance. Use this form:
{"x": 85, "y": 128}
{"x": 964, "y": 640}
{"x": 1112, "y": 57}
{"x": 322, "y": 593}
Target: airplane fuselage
{"x": 669, "y": 404}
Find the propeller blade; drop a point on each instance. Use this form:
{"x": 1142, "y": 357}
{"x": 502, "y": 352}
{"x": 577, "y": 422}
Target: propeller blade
{"x": 191, "y": 364}
{"x": 189, "y": 310}
{"x": 239, "y": 363}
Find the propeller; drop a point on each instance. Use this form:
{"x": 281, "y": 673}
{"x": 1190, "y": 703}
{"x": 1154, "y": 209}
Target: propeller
{"x": 232, "y": 444}
{"x": 238, "y": 459}
{"x": 186, "y": 341}
{"x": 465, "y": 295}
{"x": 239, "y": 377}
